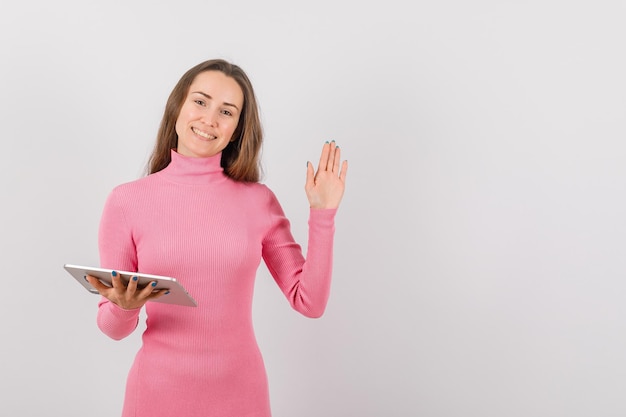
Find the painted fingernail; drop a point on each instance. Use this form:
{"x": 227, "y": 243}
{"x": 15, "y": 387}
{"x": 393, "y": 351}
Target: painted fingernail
{"x": 333, "y": 140}
{"x": 114, "y": 273}
{"x": 154, "y": 284}
{"x": 326, "y": 141}
{"x": 135, "y": 278}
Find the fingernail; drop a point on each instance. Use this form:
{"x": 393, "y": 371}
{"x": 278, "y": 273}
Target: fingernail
{"x": 333, "y": 140}
{"x": 326, "y": 141}
{"x": 154, "y": 284}
{"x": 134, "y": 278}
{"x": 114, "y": 273}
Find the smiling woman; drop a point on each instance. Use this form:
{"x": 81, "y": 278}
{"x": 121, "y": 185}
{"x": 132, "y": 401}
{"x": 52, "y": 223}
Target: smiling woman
{"x": 209, "y": 116}
{"x": 240, "y": 159}
{"x": 202, "y": 217}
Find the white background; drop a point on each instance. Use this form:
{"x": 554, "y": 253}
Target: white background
{"x": 480, "y": 247}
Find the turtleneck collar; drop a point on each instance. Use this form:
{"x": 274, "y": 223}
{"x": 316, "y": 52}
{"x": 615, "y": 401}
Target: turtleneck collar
{"x": 194, "y": 171}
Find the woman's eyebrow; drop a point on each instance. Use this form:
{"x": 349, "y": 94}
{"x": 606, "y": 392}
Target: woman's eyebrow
{"x": 211, "y": 98}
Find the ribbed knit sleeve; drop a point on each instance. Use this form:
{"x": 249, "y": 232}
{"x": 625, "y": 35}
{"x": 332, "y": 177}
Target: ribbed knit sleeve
{"x": 305, "y": 282}
{"x": 117, "y": 251}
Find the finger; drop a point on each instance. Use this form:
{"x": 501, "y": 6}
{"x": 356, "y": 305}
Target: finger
{"x": 146, "y": 292}
{"x": 331, "y": 156}
{"x": 132, "y": 285}
{"x": 324, "y": 157}
{"x": 97, "y": 284}
{"x": 344, "y": 171}
{"x": 158, "y": 294}
{"x": 118, "y": 285}
{"x": 336, "y": 160}
{"x": 310, "y": 176}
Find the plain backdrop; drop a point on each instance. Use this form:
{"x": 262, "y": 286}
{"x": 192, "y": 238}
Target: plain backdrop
{"x": 480, "y": 247}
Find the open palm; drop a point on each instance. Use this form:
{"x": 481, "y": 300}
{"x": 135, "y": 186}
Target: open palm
{"x": 325, "y": 188}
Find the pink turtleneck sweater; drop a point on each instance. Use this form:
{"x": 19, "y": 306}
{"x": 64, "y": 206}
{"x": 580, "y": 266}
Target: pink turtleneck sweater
{"x": 191, "y": 222}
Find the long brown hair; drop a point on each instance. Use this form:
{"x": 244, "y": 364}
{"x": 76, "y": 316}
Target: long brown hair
{"x": 240, "y": 159}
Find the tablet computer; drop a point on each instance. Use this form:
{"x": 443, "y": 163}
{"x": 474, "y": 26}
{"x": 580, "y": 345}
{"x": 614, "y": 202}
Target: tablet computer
{"x": 178, "y": 294}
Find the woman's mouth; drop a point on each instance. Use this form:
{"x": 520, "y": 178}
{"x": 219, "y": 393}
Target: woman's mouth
{"x": 203, "y": 134}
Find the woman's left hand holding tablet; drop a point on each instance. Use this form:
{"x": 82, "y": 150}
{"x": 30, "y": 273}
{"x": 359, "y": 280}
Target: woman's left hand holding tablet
{"x": 128, "y": 297}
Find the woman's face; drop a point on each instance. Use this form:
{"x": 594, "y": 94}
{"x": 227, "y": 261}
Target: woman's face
{"x": 209, "y": 115}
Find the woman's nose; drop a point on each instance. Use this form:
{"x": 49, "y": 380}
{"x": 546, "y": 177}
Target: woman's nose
{"x": 209, "y": 117}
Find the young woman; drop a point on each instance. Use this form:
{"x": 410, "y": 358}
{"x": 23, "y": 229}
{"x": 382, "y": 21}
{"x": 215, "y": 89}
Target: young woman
{"x": 202, "y": 217}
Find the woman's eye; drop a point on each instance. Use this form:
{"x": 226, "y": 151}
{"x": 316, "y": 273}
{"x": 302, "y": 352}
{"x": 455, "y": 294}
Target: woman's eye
{"x": 199, "y": 102}
{"x": 227, "y": 112}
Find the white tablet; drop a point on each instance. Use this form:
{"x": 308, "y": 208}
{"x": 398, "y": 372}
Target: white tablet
{"x": 178, "y": 294}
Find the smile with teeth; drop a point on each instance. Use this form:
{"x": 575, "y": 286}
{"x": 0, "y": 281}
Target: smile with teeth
{"x": 203, "y": 134}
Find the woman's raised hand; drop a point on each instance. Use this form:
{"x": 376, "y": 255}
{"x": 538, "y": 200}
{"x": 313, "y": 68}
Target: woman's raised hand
{"x": 325, "y": 188}
{"x": 128, "y": 297}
